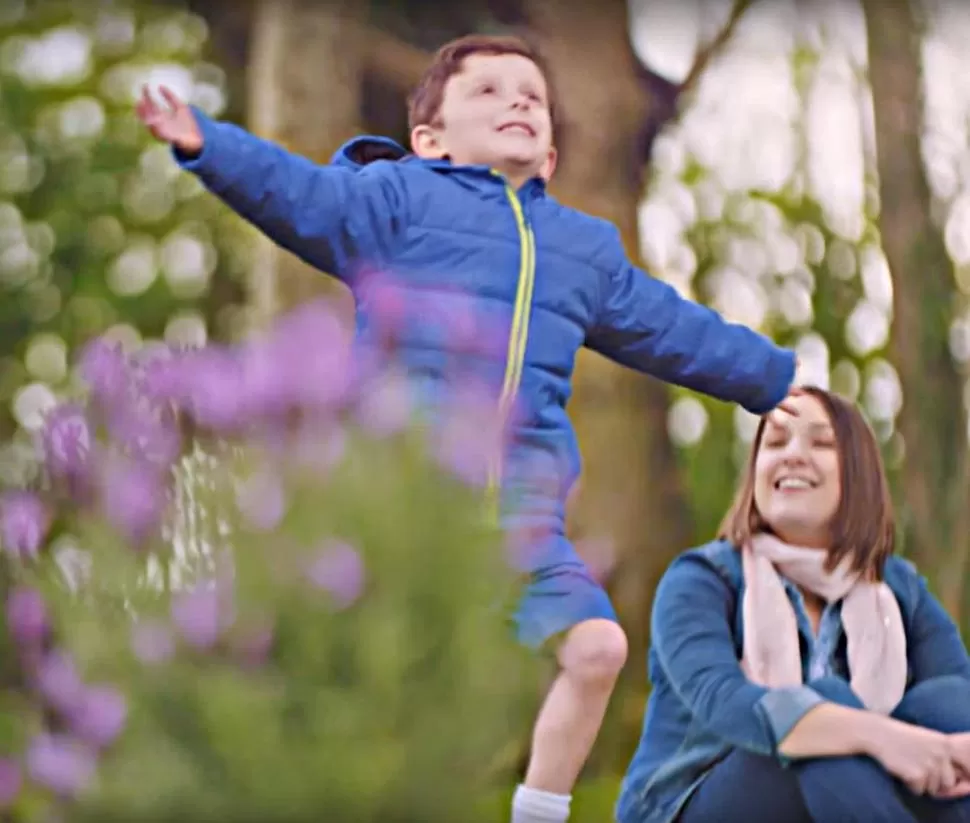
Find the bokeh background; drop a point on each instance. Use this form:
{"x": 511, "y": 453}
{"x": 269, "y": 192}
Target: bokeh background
{"x": 804, "y": 167}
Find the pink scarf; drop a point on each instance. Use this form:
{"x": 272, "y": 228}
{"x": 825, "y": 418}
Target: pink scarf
{"x": 871, "y": 619}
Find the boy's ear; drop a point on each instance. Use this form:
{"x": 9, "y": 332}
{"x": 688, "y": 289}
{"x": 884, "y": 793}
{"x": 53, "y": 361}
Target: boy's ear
{"x": 426, "y": 143}
{"x": 549, "y": 165}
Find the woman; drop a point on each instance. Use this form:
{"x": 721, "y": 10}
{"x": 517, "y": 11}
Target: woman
{"x": 801, "y": 672}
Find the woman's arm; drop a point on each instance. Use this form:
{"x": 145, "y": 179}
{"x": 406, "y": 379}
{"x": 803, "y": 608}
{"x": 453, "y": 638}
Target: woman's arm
{"x": 926, "y": 761}
{"x": 691, "y": 626}
{"x": 935, "y": 647}
{"x": 831, "y": 730}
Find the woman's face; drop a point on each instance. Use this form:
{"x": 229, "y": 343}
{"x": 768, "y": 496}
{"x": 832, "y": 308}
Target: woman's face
{"x": 797, "y": 480}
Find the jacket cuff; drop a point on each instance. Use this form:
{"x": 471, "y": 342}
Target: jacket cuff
{"x": 779, "y": 378}
{"x": 209, "y": 137}
{"x": 783, "y": 708}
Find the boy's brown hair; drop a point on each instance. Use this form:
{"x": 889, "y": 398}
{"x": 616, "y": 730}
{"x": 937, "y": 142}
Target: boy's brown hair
{"x": 424, "y": 103}
{"x": 863, "y": 527}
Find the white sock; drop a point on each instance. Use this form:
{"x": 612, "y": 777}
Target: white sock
{"x": 535, "y": 806}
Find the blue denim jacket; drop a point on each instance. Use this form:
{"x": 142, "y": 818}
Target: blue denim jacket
{"x": 702, "y": 706}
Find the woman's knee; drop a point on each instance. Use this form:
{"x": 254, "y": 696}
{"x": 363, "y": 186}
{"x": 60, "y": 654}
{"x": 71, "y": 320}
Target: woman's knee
{"x": 940, "y": 703}
{"x": 746, "y": 788}
{"x": 850, "y": 790}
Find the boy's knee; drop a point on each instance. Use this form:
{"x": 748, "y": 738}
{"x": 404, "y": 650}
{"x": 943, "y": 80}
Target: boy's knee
{"x": 940, "y": 703}
{"x": 594, "y": 652}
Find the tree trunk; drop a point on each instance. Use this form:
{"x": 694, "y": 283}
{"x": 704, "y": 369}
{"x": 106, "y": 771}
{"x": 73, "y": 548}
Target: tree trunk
{"x": 631, "y": 491}
{"x": 305, "y": 71}
{"x": 932, "y": 422}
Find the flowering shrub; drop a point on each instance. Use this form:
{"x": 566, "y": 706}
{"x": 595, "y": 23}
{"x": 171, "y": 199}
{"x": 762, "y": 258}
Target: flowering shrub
{"x": 250, "y": 587}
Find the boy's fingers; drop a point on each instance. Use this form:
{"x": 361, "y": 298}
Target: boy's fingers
{"x": 170, "y": 97}
{"x": 788, "y": 407}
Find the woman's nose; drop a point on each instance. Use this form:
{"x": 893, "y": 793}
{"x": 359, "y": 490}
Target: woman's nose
{"x": 795, "y": 452}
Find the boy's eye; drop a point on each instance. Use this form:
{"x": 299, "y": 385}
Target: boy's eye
{"x": 486, "y": 89}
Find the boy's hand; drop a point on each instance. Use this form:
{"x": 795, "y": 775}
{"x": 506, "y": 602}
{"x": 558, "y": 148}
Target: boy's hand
{"x": 786, "y": 405}
{"x": 175, "y": 125}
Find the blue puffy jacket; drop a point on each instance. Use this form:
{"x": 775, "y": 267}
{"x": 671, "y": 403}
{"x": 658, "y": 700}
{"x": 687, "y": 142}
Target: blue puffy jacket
{"x": 551, "y": 278}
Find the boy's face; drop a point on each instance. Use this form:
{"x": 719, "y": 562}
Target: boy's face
{"x": 495, "y": 112}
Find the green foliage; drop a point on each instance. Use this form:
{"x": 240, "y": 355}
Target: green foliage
{"x": 387, "y": 703}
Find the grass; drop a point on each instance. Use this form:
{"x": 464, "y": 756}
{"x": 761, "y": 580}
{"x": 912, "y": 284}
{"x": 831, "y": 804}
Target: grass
{"x": 593, "y": 802}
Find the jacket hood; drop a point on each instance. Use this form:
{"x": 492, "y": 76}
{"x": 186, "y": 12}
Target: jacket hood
{"x": 360, "y": 151}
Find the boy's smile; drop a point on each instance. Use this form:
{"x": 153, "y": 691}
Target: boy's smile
{"x": 495, "y": 112}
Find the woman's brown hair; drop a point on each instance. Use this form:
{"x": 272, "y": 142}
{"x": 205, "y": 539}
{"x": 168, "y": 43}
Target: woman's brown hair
{"x": 863, "y": 528}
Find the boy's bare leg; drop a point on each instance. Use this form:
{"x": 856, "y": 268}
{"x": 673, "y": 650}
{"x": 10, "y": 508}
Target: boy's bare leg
{"x": 590, "y": 658}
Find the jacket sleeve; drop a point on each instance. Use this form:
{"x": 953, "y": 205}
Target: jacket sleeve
{"x": 646, "y": 325}
{"x": 935, "y": 648}
{"x": 694, "y": 646}
{"x": 331, "y": 217}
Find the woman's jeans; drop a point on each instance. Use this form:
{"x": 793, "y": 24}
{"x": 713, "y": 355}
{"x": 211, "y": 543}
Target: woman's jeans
{"x": 749, "y": 788}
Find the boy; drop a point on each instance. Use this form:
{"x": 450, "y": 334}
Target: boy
{"x": 467, "y": 216}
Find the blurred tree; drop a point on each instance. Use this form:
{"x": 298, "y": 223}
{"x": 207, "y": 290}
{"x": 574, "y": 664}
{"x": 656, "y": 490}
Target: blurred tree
{"x": 935, "y": 488}
{"x": 303, "y": 91}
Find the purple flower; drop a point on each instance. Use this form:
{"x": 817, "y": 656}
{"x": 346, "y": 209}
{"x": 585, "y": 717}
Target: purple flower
{"x": 103, "y": 366}
{"x": 254, "y": 643}
{"x": 61, "y": 764}
{"x": 59, "y": 682}
{"x": 317, "y": 445}
{"x": 66, "y": 443}
{"x": 152, "y": 642}
{"x": 24, "y": 521}
{"x": 206, "y": 384}
{"x": 99, "y": 716}
{"x": 147, "y": 431}
{"x": 385, "y": 303}
{"x": 311, "y": 349}
{"x": 339, "y": 570}
{"x": 133, "y": 498}
{"x": 262, "y": 500}
{"x": 10, "y": 782}
{"x": 385, "y": 406}
{"x": 199, "y": 615}
{"x": 470, "y": 436}
{"x": 26, "y": 616}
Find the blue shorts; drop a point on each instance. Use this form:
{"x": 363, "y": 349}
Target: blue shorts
{"x": 560, "y": 594}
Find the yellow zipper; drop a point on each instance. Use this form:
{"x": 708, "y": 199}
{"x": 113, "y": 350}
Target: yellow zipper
{"x": 518, "y": 337}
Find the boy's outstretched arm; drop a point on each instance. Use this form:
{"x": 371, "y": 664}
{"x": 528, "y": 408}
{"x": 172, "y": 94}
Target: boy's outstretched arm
{"x": 646, "y": 325}
{"x": 328, "y": 216}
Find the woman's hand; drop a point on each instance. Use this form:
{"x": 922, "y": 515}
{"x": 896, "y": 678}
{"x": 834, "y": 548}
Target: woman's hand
{"x": 174, "y": 124}
{"x": 925, "y": 761}
{"x": 960, "y": 754}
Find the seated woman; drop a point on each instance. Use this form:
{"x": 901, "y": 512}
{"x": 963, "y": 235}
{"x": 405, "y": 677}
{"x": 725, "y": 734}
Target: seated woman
{"x": 802, "y": 673}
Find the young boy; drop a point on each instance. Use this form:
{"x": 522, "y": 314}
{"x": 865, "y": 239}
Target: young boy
{"x": 467, "y": 217}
